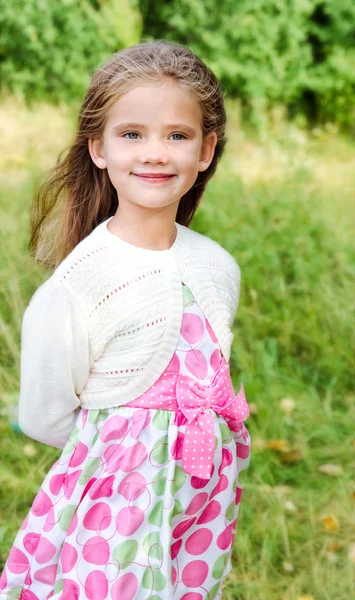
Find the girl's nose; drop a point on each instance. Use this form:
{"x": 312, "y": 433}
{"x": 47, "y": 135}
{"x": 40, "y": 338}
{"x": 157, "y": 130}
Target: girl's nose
{"x": 154, "y": 152}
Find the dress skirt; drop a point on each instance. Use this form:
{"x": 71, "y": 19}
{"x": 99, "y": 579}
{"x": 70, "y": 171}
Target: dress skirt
{"x": 143, "y": 501}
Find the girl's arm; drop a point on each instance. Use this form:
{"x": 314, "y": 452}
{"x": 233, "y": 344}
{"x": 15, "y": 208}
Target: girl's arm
{"x": 55, "y": 364}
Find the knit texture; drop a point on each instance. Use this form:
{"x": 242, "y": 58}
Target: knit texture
{"x": 101, "y": 330}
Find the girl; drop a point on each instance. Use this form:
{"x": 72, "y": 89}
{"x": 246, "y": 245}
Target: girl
{"x": 125, "y": 349}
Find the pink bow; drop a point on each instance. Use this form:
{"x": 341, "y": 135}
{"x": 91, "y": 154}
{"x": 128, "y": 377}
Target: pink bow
{"x": 194, "y": 400}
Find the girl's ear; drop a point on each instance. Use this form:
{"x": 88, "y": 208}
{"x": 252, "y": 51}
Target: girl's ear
{"x": 207, "y": 151}
{"x": 97, "y": 153}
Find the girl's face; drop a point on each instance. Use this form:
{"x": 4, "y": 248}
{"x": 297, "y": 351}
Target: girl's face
{"x": 152, "y": 146}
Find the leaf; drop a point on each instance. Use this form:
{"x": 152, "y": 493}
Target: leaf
{"x": 287, "y": 406}
{"x": 330, "y": 523}
{"x": 287, "y": 566}
{"x": 331, "y": 469}
{"x": 292, "y": 457}
{"x": 279, "y": 445}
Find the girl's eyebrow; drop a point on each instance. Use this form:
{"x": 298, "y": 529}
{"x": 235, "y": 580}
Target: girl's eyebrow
{"x": 134, "y": 125}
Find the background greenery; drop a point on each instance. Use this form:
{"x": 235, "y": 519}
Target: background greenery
{"x": 281, "y": 203}
{"x": 298, "y": 53}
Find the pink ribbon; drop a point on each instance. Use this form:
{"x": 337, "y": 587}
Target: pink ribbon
{"x": 194, "y": 400}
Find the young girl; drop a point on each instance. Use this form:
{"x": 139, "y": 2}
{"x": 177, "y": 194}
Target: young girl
{"x": 125, "y": 349}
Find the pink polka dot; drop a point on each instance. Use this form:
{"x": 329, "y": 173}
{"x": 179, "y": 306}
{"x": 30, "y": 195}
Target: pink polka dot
{"x": 87, "y": 487}
{"x": 70, "y": 482}
{"x": 192, "y": 328}
{"x": 17, "y": 561}
{"x": 41, "y": 504}
{"x": 113, "y": 456}
{"x": 115, "y": 428}
{"x": 56, "y": 482}
{"x": 44, "y": 551}
{"x": 103, "y": 488}
{"x": 125, "y": 587}
{"x": 199, "y": 541}
{"x": 3, "y": 580}
{"x": 140, "y": 420}
{"x": 211, "y": 512}
{"x": 174, "y": 365}
{"x": 50, "y": 521}
{"x": 196, "y": 503}
{"x": 68, "y": 557}
{"x": 129, "y": 519}
{"x": 132, "y": 486}
{"x": 28, "y": 578}
{"x": 192, "y": 596}
{"x": 175, "y": 548}
{"x": 98, "y": 517}
{"x": 176, "y": 448}
{"x": 70, "y": 590}
{"x": 224, "y": 539}
{"x": 243, "y": 451}
{"x": 220, "y": 487}
{"x": 215, "y": 359}
{"x": 227, "y": 459}
{"x": 195, "y": 573}
{"x": 133, "y": 457}
{"x": 173, "y": 575}
{"x": 30, "y": 542}
{"x": 96, "y": 550}
{"x": 238, "y": 494}
{"x": 28, "y": 595}
{"x": 46, "y": 575}
{"x": 196, "y": 363}
{"x": 182, "y": 527}
{"x": 211, "y": 332}
{"x": 79, "y": 455}
{"x": 96, "y": 586}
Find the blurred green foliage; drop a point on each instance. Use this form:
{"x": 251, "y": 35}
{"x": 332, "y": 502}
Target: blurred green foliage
{"x": 300, "y": 53}
{"x": 297, "y": 53}
{"x": 49, "y": 49}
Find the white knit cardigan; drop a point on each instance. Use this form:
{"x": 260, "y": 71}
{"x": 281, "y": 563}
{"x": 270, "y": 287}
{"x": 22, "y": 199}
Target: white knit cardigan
{"x": 104, "y": 326}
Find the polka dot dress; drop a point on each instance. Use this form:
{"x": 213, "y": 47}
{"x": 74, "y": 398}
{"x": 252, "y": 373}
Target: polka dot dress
{"x": 120, "y": 515}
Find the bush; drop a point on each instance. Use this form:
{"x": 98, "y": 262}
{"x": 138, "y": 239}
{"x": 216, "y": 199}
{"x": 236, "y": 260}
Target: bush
{"x": 48, "y": 49}
{"x": 300, "y": 53}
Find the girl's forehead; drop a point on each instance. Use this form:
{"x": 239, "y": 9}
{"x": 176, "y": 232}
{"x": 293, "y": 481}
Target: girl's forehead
{"x": 157, "y": 101}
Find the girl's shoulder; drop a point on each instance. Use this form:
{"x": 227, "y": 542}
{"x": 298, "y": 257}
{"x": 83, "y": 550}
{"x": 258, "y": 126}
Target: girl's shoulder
{"x": 206, "y": 249}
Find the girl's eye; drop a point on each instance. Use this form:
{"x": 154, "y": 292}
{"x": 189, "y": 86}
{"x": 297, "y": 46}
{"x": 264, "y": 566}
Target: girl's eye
{"x": 130, "y": 133}
{"x": 179, "y": 134}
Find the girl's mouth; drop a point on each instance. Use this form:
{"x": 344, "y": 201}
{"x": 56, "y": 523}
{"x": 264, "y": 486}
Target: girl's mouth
{"x": 154, "y": 178}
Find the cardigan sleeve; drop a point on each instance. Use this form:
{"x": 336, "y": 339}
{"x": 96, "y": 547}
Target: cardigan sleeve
{"x": 55, "y": 364}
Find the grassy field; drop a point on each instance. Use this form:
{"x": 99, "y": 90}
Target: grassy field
{"x": 283, "y": 205}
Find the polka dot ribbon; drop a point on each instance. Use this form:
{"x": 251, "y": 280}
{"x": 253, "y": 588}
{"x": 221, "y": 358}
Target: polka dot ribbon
{"x": 194, "y": 400}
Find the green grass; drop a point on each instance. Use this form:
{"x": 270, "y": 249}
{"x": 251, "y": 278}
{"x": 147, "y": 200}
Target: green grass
{"x": 282, "y": 205}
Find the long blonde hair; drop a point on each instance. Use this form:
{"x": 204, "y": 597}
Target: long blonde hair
{"x": 77, "y": 195}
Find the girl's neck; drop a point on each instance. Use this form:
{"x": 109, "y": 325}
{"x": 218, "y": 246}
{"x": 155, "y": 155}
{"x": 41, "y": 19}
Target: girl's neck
{"x": 150, "y": 234}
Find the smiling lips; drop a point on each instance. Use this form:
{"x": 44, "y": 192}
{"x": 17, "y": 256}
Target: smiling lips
{"x": 154, "y": 177}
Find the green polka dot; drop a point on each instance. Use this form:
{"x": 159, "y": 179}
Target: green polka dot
{"x": 66, "y": 516}
{"x": 178, "y": 481}
{"x": 159, "y": 482}
{"x": 156, "y": 515}
{"x": 225, "y": 433}
{"x": 219, "y": 566}
{"x": 153, "y": 579}
{"x": 160, "y": 452}
{"x": 125, "y": 553}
